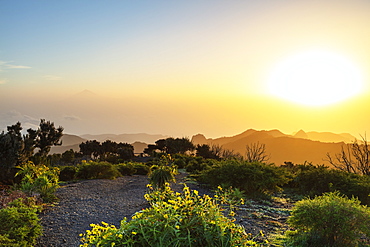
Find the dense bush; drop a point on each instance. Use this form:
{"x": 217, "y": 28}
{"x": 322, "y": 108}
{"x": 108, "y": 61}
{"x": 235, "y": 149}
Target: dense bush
{"x": 198, "y": 165}
{"x": 174, "y": 219}
{"x": 67, "y": 173}
{"x": 316, "y": 180}
{"x": 39, "y": 179}
{"x": 19, "y": 225}
{"x": 126, "y": 169}
{"x": 255, "y": 179}
{"x": 141, "y": 169}
{"x": 328, "y": 220}
{"x": 97, "y": 170}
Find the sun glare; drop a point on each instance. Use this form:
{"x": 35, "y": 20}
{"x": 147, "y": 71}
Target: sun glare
{"x": 315, "y": 78}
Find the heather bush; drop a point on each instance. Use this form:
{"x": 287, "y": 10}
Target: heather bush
{"x": 330, "y": 220}
{"x": 67, "y": 173}
{"x": 20, "y": 225}
{"x": 255, "y": 179}
{"x": 126, "y": 169}
{"x": 97, "y": 170}
{"x": 173, "y": 220}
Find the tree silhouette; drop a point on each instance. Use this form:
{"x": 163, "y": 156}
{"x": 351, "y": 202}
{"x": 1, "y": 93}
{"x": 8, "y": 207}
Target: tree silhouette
{"x": 353, "y": 158}
{"x": 48, "y": 136}
{"x": 256, "y": 152}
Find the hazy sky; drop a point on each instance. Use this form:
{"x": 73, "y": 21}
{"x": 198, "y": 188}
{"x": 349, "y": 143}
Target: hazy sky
{"x": 175, "y": 67}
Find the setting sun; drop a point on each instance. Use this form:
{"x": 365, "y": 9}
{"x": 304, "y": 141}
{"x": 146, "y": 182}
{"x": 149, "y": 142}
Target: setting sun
{"x": 315, "y": 78}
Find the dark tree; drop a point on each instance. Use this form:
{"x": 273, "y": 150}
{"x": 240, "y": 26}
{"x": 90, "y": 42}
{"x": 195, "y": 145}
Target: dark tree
{"x": 178, "y": 145}
{"x": 11, "y": 146}
{"x": 48, "y": 136}
{"x": 256, "y": 152}
{"x": 150, "y": 149}
{"x": 205, "y": 151}
{"x": 125, "y": 151}
{"x": 353, "y": 158}
{"x": 91, "y": 148}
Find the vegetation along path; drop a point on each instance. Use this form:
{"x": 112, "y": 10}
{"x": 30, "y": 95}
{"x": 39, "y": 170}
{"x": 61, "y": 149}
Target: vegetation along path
{"x": 94, "y": 201}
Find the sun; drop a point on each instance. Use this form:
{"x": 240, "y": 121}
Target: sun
{"x": 315, "y": 78}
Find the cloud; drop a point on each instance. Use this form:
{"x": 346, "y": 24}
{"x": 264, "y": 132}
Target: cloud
{"x": 52, "y": 78}
{"x": 71, "y": 118}
{"x": 12, "y": 117}
{"x": 11, "y": 66}
{"x": 3, "y": 81}
{"x": 7, "y": 65}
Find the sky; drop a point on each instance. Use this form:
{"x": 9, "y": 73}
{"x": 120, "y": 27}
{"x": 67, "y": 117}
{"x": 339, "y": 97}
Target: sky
{"x": 181, "y": 68}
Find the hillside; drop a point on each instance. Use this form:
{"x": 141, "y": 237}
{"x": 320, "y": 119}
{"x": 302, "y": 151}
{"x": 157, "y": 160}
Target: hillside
{"x": 281, "y": 147}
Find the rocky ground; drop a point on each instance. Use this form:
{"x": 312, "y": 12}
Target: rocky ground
{"x": 94, "y": 201}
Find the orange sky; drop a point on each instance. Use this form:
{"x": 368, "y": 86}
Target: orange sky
{"x": 174, "y": 68}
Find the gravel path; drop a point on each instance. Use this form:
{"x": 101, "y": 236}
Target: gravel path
{"x": 91, "y": 201}
{"x": 94, "y": 201}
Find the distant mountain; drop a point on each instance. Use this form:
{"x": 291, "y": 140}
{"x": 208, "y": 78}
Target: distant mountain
{"x": 68, "y": 142}
{"x": 281, "y": 147}
{"x": 126, "y": 138}
{"x": 328, "y": 137}
{"x": 139, "y": 141}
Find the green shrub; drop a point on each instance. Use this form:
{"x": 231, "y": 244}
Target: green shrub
{"x": 141, "y": 169}
{"x": 39, "y": 179}
{"x": 160, "y": 175}
{"x": 19, "y": 225}
{"x": 255, "y": 179}
{"x": 173, "y": 219}
{"x": 97, "y": 170}
{"x": 126, "y": 169}
{"x": 328, "y": 220}
{"x": 67, "y": 173}
{"x": 196, "y": 166}
{"x": 314, "y": 180}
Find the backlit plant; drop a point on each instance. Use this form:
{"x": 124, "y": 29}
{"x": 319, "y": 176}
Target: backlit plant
{"x": 40, "y": 180}
{"x": 174, "y": 219}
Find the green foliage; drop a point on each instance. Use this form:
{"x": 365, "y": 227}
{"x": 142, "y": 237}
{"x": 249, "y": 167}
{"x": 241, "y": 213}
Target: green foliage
{"x": 67, "y": 173}
{"x": 315, "y": 180}
{"x": 162, "y": 173}
{"x": 126, "y": 169}
{"x": 174, "y": 219}
{"x": 39, "y": 179}
{"x": 255, "y": 179}
{"x": 16, "y": 149}
{"x": 97, "y": 170}
{"x": 19, "y": 225}
{"x": 197, "y": 165}
{"x": 328, "y": 220}
{"x": 141, "y": 169}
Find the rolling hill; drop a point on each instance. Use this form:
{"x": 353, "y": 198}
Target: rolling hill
{"x": 281, "y": 147}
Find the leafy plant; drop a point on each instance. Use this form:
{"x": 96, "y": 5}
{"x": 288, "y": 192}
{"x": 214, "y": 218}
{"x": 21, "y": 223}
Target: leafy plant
{"x": 162, "y": 173}
{"x": 20, "y": 225}
{"x": 39, "y": 179}
{"x": 173, "y": 219}
{"x": 328, "y": 220}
